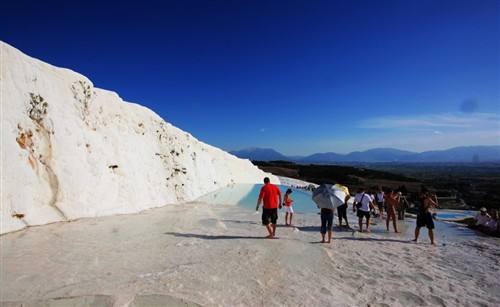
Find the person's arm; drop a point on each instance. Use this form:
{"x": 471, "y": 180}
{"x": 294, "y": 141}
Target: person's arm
{"x": 258, "y": 203}
{"x": 280, "y": 199}
{"x": 428, "y": 202}
{"x": 372, "y": 203}
{"x": 397, "y": 200}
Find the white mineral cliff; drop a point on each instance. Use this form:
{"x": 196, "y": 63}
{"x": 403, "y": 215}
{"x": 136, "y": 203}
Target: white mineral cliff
{"x": 69, "y": 150}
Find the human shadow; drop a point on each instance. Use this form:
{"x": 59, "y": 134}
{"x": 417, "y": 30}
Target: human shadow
{"x": 238, "y": 221}
{"x": 210, "y": 237}
{"x": 309, "y": 228}
{"x": 358, "y": 238}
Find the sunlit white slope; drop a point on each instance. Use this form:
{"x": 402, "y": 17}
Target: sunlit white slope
{"x": 70, "y": 150}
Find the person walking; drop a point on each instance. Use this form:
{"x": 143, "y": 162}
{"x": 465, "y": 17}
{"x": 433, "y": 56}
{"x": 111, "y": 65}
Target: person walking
{"x": 287, "y": 203}
{"x": 424, "y": 217}
{"x": 401, "y": 208}
{"x": 342, "y": 212}
{"x": 380, "y": 199}
{"x": 271, "y": 196}
{"x": 392, "y": 201}
{"x": 362, "y": 203}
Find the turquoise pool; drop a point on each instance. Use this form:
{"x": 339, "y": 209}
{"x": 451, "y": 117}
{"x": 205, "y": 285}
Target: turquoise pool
{"x": 246, "y": 195}
{"x": 454, "y": 214}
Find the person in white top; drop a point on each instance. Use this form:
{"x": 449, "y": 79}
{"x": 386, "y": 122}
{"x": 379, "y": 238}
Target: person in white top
{"x": 492, "y": 227}
{"x": 380, "y": 199}
{"x": 480, "y": 220}
{"x": 366, "y": 202}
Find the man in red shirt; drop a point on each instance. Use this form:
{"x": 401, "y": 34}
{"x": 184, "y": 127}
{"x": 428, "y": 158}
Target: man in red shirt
{"x": 271, "y": 195}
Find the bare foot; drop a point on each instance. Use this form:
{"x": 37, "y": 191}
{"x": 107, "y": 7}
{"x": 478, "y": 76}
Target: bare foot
{"x": 414, "y": 240}
{"x": 433, "y": 244}
{"x": 327, "y": 241}
{"x": 396, "y": 231}
{"x": 368, "y": 230}
{"x": 270, "y": 237}
{"x": 322, "y": 241}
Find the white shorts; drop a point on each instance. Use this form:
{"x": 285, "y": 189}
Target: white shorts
{"x": 288, "y": 209}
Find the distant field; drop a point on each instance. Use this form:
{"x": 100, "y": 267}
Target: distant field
{"x": 457, "y": 184}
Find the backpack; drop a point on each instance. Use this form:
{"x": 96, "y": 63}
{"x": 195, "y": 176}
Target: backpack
{"x": 359, "y": 204}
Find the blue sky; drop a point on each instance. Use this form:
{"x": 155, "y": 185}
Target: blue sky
{"x": 300, "y": 77}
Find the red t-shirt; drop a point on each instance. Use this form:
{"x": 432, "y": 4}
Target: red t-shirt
{"x": 269, "y": 194}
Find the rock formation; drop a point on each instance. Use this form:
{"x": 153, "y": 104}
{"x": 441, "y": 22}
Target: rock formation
{"x": 70, "y": 150}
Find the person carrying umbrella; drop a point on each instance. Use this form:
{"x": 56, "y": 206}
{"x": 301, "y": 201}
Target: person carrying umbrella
{"x": 328, "y": 197}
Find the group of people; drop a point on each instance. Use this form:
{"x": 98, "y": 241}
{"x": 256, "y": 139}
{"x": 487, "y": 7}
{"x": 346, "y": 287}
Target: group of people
{"x": 271, "y": 197}
{"x": 489, "y": 224}
{"x": 364, "y": 204}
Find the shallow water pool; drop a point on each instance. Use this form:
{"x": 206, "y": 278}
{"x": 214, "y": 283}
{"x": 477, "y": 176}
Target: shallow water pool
{"x": 246, "y": 195}
{"x": 454, "y": 214}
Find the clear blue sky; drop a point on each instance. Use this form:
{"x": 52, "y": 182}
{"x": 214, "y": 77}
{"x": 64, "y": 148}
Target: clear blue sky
{"x": 300, "y": 77}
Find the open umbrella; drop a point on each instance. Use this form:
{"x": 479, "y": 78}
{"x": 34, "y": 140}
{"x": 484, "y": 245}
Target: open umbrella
{"x": 330, "y": 196}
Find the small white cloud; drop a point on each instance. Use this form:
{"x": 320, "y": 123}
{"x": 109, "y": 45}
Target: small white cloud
{"x": 432, "y": 120}
{"x": 438, "y": 132}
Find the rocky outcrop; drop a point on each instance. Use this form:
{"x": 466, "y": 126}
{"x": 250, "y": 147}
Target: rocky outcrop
{"x": 70, "y": 150}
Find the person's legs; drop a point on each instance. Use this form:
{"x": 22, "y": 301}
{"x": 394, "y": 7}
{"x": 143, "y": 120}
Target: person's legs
{"x": 270, "y": 231}
{"x": 344, "y": 214}
{"x": 286, "y": 218}
{"x": 360, "y": 221}
{"x": 265, "y": 221}
{"x": 417, "y": 233}
{"x": 429, "y": 222}
{"x": 394, "y": 222}
{"x": 339, "y": 215}
{"x": 368, "y": 222}
{"x": 431, "y": 236}
{"x": 323, "y": 227}
{"x": 291, "y": 218}
{"x": 387, "y": 220}
{"x": 329, "y": 225}
{"x": 274, "y": 220}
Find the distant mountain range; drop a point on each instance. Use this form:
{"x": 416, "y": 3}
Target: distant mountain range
{"x": 473, "y": 154}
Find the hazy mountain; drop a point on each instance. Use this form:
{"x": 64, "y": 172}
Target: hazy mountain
{"x": 463, "y": 154}
{"x": 378, "y": 155}
{"x": 322, "y": 158}
{"x": 259, "y": 154}
{"x": 457, "y": 154}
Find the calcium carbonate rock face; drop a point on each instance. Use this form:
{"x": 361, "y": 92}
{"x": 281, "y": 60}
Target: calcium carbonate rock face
{"x": 70, "y": 150}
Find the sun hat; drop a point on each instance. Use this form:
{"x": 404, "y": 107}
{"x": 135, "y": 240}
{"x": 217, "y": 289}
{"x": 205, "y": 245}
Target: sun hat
{"x": 483, "y": 209}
